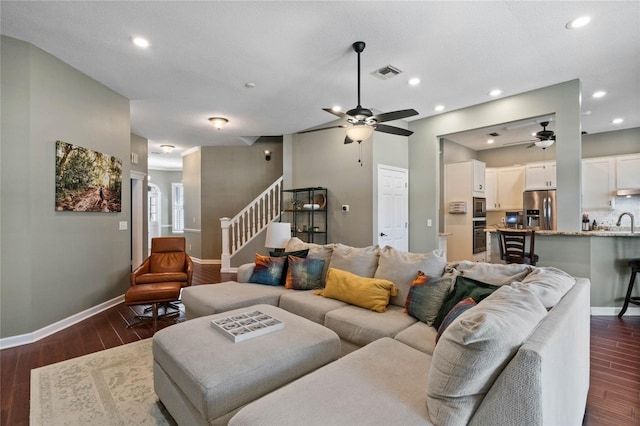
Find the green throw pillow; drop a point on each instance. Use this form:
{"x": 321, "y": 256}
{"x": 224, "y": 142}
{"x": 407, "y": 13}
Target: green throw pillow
{"x": 465, "y": 287}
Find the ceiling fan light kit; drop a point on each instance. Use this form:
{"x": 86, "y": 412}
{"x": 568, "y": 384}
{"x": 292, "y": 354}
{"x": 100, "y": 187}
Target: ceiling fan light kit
{"x": 360, "y": 123}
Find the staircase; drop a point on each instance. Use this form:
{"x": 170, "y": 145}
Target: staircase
{"x": 246, "y": 225}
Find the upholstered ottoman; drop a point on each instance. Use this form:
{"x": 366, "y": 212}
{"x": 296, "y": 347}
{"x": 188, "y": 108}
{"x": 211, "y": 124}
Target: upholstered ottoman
{"x": 203, "y": 378}
{"x": 209, "y": 299}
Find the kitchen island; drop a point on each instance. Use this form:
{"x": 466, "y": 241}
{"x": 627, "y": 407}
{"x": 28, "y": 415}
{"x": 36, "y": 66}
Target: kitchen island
{"x": 600, "y": 256}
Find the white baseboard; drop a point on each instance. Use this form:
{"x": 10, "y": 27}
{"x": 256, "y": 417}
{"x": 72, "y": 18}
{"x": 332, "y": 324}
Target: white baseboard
{"x": 24, "y": 339}
{"x": 613, "y": 311}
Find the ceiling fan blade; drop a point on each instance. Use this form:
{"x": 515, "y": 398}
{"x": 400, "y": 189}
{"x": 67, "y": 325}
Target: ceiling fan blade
{"x": 531, "y": 145}
{"x": 322, "y": 128}
{"x": 519, "y": 142}
{"x": 394, "y": 115}
{"x": 393, "y": 130}
{"x": 347, "y": 140}
{"x": 337, "y": 113}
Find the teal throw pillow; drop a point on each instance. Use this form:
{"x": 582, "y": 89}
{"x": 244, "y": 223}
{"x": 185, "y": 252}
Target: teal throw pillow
{"x": 268, "y": 270}
{"x": 465, "y": 287}
{"x": 286, "y": 254}
{"x": 426, "y": 296}
{"x": 304, "y": 274}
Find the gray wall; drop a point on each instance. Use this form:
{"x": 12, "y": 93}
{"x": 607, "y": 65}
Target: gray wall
{"x": 617, "y": 142}
{"x": 163, "y": 179}
{"x": 221, "y": 181}
{"x": 424, "y": 180}
{"x": 191, "y": 180}
{"x": 139, "y": 146}
{"x": 55, "y": 264}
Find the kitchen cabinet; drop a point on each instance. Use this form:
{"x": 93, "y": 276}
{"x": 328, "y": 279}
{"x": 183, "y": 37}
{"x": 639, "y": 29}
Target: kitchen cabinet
{"x": 628, "y": 171}
{"x": 540, "y": 175}
{"x": 504, "y": 186}
{"x": 598, "y": 183}
{"x": 478, "y": 177}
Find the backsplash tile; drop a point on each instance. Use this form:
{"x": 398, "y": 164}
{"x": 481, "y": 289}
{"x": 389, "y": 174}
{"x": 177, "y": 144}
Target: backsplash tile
{"x": 607, "y": 217}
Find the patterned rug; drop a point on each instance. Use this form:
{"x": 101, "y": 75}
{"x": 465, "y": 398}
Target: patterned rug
{"x": 111, "y": 387}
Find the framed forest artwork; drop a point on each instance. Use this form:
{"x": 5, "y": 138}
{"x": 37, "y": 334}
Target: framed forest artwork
{"x": 86, "y": 180}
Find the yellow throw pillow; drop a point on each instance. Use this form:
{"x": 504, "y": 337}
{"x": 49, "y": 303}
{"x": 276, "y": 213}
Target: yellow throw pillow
{"x": 369, "y": 293}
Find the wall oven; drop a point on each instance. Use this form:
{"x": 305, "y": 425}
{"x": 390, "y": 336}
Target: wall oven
{"x": 479, "y": 235}
{"x": 479, "y": 207}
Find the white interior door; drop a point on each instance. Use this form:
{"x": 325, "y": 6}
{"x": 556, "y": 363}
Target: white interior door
{"x": 154, "y": 213}
{"x": 393, "y": 207}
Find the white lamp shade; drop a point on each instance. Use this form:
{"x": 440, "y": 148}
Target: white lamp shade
{"x": 359, "y": 132}
{"x": 278, "y": 234}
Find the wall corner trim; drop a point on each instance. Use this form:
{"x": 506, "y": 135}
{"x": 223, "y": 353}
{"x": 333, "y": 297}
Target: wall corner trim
{"x": 24, "y": 339}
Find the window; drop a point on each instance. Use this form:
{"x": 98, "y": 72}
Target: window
{"x": 177, "y": 201}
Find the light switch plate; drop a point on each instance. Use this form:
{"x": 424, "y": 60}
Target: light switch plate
{"x": 123, "y": 225}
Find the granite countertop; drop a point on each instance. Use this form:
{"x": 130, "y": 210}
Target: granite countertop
{"x": 445, "y": 234}
{"x": 618, "y": 232}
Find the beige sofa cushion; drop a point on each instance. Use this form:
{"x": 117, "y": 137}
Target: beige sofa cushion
{"x": 549, "y": 284}
{"x": 361, "y": 326}
{"x": 309, "y": 305}
{"x": 401, "y": 268}
{"x": 361, "y": 261}
{"x": 419, "y": 336}
{"x": 475, "y": 348}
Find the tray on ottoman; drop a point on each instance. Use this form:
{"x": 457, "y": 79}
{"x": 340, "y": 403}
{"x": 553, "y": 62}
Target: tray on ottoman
{"x": 245, "y": 325}
{"x": 202, "y": 377}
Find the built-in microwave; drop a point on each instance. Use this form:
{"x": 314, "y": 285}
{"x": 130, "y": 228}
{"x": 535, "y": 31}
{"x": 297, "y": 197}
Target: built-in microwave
{"x": 479, "y": 207}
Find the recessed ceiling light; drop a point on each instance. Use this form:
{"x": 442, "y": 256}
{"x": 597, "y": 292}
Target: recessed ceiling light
{"x": 140, "y": 42}
{"x": 414, "y": 81}
{"x": 439, "y": 107}
{"x": 495, "y": 92}
{"x": 599, "y": 94}
{"x": 578, "y": 22}
{"x": 490, "y": 141}
{"x": 617, "y": 120}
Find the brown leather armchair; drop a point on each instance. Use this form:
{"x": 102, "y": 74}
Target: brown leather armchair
{"x": 160, "y": 278}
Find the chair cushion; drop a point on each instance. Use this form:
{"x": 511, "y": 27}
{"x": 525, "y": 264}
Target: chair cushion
{"x": 151, "y": 293}
{"x": 167, "y": 262}
{"x": 167, "y": 244}
{"x": 161, "y": 277}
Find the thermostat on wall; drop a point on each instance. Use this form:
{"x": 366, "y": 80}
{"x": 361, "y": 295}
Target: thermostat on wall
{"x": 457, "y": 207}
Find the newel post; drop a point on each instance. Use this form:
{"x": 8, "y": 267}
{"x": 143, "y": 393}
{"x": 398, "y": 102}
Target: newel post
{"x": 225, "y": 258}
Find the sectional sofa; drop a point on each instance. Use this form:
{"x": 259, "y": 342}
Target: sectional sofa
{"x": 518, "y": 357}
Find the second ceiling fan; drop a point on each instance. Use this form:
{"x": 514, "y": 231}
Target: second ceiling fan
{"x": 361, "y": 122}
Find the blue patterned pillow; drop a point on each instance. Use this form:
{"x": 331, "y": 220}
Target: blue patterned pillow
{"x": 426, "y": 296}
{"x": 268, "y": 270}
{"x": 286, "y": 254}
{"x": 304, "y": 274}
{"x": 460, "y": 307}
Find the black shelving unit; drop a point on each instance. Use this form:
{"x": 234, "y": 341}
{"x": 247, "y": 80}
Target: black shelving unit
{"x": 306, "y": 210}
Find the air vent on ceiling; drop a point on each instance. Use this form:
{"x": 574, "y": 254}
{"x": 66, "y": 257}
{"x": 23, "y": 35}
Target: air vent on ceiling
{"x": 494, "y": 134}
{"x": 386, "y": 72}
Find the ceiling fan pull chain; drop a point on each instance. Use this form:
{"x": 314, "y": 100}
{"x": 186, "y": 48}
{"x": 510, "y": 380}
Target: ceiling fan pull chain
{"x": 360, "y": 153}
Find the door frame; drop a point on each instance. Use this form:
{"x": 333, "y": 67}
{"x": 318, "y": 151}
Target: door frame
{"x": 137, "y": 218}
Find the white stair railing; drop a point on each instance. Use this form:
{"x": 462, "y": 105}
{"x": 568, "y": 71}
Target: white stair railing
{"x": 246, "y": 225}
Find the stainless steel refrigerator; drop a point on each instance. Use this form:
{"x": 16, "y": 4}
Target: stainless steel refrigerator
{"x": 540, "y": 209}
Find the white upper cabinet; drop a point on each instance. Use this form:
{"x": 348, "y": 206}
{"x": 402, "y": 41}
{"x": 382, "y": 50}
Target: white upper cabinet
{"x": 478, "y": 177}
{"x": 598, "y": 183}
{"x": 540, "y": 175}
{"x": 504, "y": 188}
{"x": 628, "y": 171}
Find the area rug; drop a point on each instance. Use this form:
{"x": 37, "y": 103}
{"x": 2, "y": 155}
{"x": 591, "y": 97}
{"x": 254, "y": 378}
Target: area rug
{"x": 110, "y": 387}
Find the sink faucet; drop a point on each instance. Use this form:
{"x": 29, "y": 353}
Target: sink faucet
{"x": 620, "y": 220}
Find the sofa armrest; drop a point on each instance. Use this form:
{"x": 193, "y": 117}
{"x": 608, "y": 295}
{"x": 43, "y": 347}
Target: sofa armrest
{"x": 547, "y": 381}
{"x": 244, "y": 272}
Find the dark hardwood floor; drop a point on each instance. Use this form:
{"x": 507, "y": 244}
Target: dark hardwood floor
{"x": 614, "y": 395}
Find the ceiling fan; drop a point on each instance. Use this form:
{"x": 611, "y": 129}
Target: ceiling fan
{"x": 361, "y": 122}
{"x": 543, "y": 138}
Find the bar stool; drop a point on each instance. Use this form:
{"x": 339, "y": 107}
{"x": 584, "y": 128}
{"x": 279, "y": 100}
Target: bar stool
{"x": 635, "y": 269}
